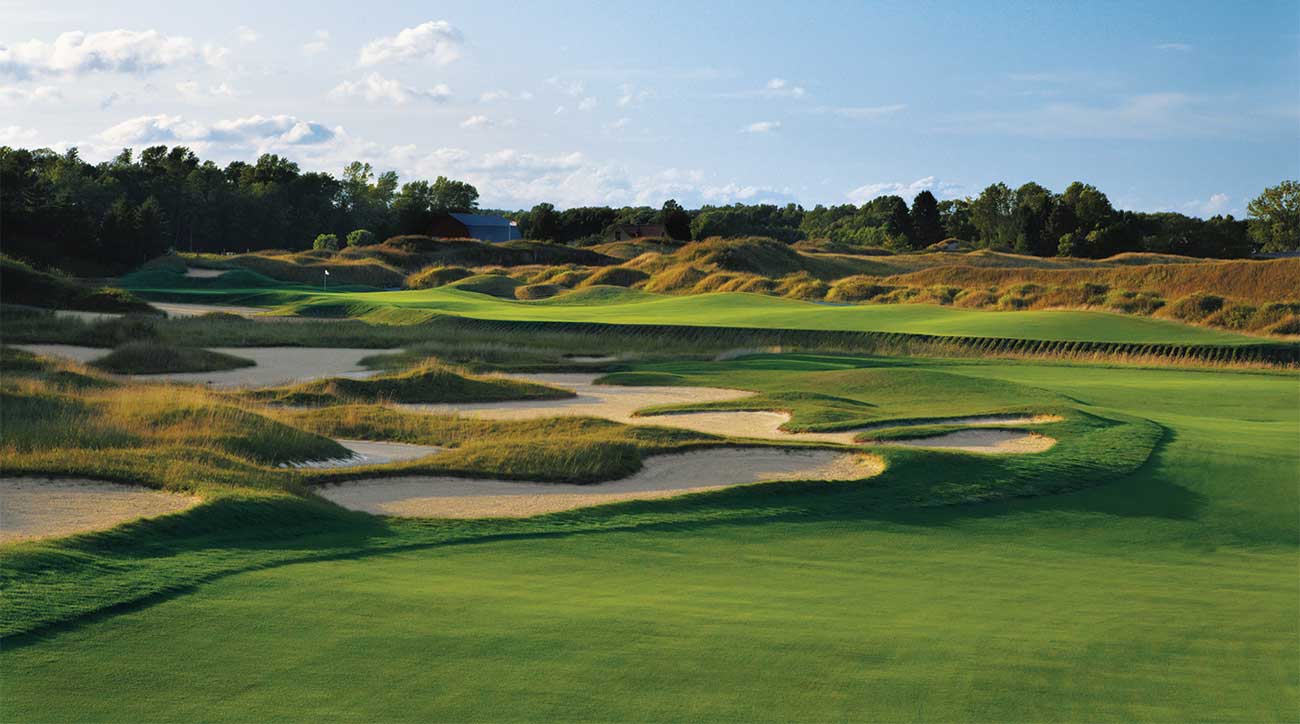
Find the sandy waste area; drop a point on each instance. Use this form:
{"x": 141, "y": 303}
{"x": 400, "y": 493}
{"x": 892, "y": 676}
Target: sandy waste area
{"x": 367, "y": 452}
{"x": 619, "y": 403}
{"x": 32, "y": 507}
{"x": 275, "y": 365}
{"x": 663, "y": 476}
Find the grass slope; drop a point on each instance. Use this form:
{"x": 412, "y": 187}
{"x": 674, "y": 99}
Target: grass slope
{"x": 723, "y": 310}
{"x": 1166, "y": 594}
{"x": 430, "y": 382}
{"x": 143, "y": 358}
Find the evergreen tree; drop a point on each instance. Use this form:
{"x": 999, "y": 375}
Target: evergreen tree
{"x": 677, "y": 223}
{"x": 926, "y": 224}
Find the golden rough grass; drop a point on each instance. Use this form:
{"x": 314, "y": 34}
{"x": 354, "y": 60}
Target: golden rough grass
{"x": 1243, "y": 280}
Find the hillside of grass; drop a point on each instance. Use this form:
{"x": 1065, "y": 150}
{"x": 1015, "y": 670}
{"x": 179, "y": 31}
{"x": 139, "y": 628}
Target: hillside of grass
{"x": 22, "y": 284}
{"x": 1260, "y": 296}
{"x": 429, "y": 382}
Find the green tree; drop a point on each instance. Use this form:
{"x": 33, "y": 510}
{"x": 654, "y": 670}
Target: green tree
{"x": 1090, "y": 206}
{"x": 1034, "y": 205}
{"x": 1274, "y": 219}
{"x": 543, "y": 223}
{"x": 151, "y": 224}
{"x": 327, "y": 242}
{"x": 955, "y": 215}
{"x": 453, "y": 196}
{"x": 993, "y": 215}
{"x": 413, "y": 207}
{"x": 927, "y": 226}
{"x": 677, "y": 223}
{"x": 362, "y": 237}
{"x": 1061, "y": 222}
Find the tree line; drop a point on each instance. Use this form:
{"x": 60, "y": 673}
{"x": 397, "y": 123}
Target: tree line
{"x": 57, "y": 209}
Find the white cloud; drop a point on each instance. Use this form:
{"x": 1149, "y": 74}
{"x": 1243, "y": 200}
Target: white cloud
{"x": 1151, "y": 116}
{"x": 13, "y": 95}
{"x": 862, "y": 112}
{"x": 573, "y": 88}
{"x": 375, "y": 88}
{"x": 1216, "y": 204}
{"x": 247, "y": 34}
{"x": 319, "y": 43}
{"x": 493, "y": 96}
{"x": 16, "y": 135}
{"x": 257, "y": 131}
{"x": 780, "y": 87}
{"x": 761, "y": 127}
{"x": 435, "y": 41}
{"x": 630, "y": 97}
{"x": 774, "y": 88}
{"x": 112, "y": 51}
{"x": 1177, "y": 47}
{"x": 476, "y": 121}
{"x": 867, "y": 192}
{"x": 587, "y": 104}
{"x": 620, "y": 124}
{"x": 194, "y": 91}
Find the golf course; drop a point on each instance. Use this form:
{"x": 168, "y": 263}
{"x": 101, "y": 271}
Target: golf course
{"x": 674, "y": 533}
{"x": 474, "y": 362}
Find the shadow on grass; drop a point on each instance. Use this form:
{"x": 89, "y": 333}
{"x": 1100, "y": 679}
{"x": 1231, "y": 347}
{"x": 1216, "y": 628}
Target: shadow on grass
{"x": 78, "y": 581}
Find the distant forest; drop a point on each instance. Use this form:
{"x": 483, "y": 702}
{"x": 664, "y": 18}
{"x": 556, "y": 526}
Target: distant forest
{"x": 58, "y": 210}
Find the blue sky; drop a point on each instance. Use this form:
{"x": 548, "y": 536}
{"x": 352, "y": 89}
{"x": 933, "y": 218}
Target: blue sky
{"x": 1183, "y": 106}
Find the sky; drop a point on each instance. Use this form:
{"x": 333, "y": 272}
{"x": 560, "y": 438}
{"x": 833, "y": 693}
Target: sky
{"x": 1166, "y": 106}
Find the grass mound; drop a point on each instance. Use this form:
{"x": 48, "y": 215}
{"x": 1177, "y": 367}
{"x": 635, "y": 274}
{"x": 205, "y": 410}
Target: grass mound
{"x": 538, "y": 291}
{"x": 496, "y": 285}
{"x": 22, "y": 284}
{"x": 618, "y": 276}
{"x": 437, "y": 276}
{"x": 430, "y": 383}
{"x": 144, "y": 358}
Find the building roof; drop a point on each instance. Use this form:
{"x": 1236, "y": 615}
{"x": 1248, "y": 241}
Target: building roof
{"x": 482, "y": 219}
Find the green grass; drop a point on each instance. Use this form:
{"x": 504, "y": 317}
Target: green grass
{"x": 721, "y": 310}
{"x": 1156, "y": 587}
{"x": 143, "y": 358}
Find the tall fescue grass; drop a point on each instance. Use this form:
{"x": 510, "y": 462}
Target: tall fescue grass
{"x": 429, "y": 382}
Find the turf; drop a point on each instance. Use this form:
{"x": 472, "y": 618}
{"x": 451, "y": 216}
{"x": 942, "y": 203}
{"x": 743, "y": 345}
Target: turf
{"x": 141, "y": 358}
{"x": 1167, "y": 593}
{"x": 718, "y": 310}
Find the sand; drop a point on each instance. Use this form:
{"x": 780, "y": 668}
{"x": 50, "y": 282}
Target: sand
{"x": 275, "y": 365}
{"x": 367, "y": 452}
{"x": 663, "y": 476}
{"x": 198, "y": 273}
{"x": 32, "y": 508}
{"x": 989, "y": 442}
{"x": 619, "y": 403}
{"x": 612, "y": 402}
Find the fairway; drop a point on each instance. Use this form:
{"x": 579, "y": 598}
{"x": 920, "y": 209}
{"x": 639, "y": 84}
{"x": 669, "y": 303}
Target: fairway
{"x": 1166, "y": 594}
{"x": 620, "y": 306}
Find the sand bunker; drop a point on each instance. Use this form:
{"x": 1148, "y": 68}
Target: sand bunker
{"x": 619, "y": 403}
{"x": 275, "y": 365}
{"x": 33, "y": 508}
{"x": 198, "y": 273}
{"x": 367, "y": 452}
{"x": 663, "y": 476}
{"x": 612, "y": 402}
{"x": 990, "y": 442}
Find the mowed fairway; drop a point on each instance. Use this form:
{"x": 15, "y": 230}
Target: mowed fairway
{"x": 1170, "y": 594}
{"x": 620, "y": 306}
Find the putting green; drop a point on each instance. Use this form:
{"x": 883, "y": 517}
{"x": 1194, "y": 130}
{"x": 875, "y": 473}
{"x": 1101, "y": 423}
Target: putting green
{"x": 618, "y": 306}
{"x": 1165, "y": 595}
